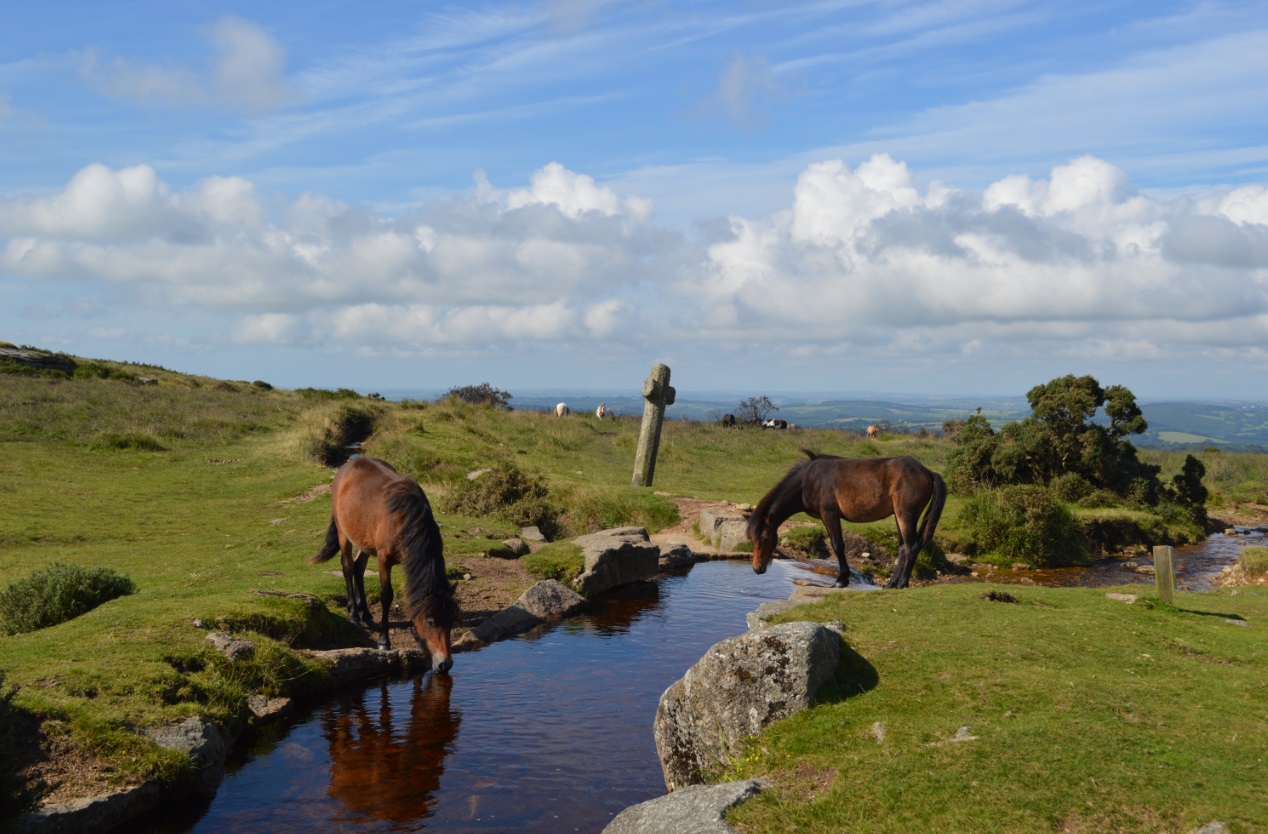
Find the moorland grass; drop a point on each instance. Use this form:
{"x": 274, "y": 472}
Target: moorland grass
{"x": 1085, "y": 714}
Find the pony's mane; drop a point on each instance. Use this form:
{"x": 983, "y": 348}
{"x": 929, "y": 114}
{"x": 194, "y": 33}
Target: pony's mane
{"x": 427, "y": 589}
{"x": 777, "y": 496}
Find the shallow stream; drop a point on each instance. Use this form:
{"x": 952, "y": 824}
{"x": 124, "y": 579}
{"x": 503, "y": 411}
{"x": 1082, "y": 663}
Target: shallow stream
{"x": 547, "y": 732}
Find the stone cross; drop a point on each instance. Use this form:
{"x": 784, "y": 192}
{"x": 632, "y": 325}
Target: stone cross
{"x": 658, "y": 393}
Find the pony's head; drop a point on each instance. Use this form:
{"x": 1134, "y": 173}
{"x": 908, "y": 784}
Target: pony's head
{"x": 433, "y": 629}
{"x": 763, "y": 536}
{"x": 780, "y": 502}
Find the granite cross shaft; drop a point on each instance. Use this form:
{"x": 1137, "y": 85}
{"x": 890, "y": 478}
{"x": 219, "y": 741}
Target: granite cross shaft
{"x": 659, "y": 394}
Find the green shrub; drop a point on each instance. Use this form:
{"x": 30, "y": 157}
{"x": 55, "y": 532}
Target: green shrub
{"x": 114, "y": 441}
{"x": 505, "y": 491}
{"x": 482, "y": 394}
{"x": 1072, "y": 487}
{"x": 1254, "y": 561}
{"x": 96, "y": 370}
{"x": 561, "y": 561}
{"x": 56, "y": 593}
{"x": 324, "y": 394}
{"x": 1024, "y": 523}
{"x": 262, "y": 385}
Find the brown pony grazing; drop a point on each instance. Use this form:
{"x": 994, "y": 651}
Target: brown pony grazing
{"x": 854, "y": 489}
{"x": 384, "y": 514}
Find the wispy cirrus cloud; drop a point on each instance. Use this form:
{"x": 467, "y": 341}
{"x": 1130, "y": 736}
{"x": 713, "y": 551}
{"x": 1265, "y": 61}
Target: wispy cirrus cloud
{"x": 246, "y": 71}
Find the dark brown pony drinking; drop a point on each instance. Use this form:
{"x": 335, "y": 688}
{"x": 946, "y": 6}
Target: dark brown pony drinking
{"x": 854, "y": 489}
{"x": 385, "y": 514}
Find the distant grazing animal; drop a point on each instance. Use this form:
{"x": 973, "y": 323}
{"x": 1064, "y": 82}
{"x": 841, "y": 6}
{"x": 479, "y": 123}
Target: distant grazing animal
{"x": 562, "y": 410}
{"x": 873, "y": 431}
{"x": 601, "y": 411}
{"x": 386, "y": 515}
{"x": 854, "y": 489}
{"x": 728, "y": 421}
{"x": 775, "y": 424}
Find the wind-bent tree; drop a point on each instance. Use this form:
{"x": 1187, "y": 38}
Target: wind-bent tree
{"x": 1060, "y": 439}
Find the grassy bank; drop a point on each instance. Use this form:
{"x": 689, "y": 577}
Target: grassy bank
{"x": 1083, "y": 714}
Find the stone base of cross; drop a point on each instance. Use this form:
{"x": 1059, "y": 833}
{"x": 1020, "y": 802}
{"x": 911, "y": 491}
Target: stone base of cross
{"x": 659, "y": 394}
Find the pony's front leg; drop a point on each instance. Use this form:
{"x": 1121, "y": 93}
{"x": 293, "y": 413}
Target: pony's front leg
{"x": 832, "y": 523}
{"x": 385, "y": 597}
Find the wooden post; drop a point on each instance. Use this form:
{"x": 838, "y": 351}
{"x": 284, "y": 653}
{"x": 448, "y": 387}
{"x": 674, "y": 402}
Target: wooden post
{"x": 658, "y": 393}
{"x": 1164, "y": 572}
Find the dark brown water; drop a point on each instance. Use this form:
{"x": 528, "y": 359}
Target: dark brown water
{"x": 1195, "y": 566}
{"x": 548, "y": 732}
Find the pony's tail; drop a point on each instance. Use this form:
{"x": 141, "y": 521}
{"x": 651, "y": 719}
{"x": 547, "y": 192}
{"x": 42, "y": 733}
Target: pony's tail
{"x": 330, "y": 548}
{"x": 933, "y": 512}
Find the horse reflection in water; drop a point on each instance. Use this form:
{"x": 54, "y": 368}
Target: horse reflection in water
{"x": 378, "y": 772}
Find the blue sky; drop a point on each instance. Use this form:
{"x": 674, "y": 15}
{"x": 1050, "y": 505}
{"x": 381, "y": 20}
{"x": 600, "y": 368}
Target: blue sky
{"x": 915, "y": 197}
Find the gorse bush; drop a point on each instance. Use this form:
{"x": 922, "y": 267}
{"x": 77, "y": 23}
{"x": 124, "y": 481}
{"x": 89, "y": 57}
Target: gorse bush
{"x": 482, "y": 394}
{"x": 1024, "y": 523}
{"x": 326, "y": 439}
{"x": 56, "y": 593}
{"x": 505, "y": 491}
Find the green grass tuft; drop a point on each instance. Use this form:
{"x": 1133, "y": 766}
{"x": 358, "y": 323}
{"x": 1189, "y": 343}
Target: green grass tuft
{"x": 562, "y": 561}
{"x": 1254, "y": 561}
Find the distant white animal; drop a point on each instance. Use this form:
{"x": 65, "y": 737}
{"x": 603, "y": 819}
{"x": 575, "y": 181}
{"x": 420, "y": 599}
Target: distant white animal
{"x": 601, "y": 411}
{"x": 561, "y": 410}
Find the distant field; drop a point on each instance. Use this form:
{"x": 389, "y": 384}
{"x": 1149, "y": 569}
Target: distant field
{"x": 1233, "y": 426}
{"x": 1182, "y": 437}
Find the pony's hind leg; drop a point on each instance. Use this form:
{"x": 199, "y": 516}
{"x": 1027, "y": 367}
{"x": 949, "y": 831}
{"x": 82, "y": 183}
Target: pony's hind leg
{"x": 353, "y": 571}
{"x": 908, "y": 538}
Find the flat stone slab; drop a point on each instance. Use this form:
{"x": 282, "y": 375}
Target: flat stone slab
{"x": 724, "y": 528}
{"x": 350, "y": 665}
{"x": 694, "y": 810}
{"x": 546, "y": 602}
{"x": 616, "y": 557}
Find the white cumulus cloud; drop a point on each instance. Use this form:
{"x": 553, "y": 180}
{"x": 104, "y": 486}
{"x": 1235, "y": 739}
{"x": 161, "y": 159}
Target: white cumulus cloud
{"x": 864, "y": 259}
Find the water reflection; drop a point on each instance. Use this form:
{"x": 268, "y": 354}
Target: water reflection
{"x": 385, "y": 766}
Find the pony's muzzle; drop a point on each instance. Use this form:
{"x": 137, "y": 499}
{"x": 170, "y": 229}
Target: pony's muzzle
{"x": 759, "y": 569}
{"x": 443, "y": 666}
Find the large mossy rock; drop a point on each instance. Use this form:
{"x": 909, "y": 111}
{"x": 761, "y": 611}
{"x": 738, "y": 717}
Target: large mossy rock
{"x": 740, "y": 685}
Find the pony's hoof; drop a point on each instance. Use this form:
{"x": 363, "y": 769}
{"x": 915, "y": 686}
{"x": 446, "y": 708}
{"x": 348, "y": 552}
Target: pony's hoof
{"x": 841, "y": 583}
